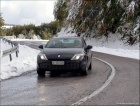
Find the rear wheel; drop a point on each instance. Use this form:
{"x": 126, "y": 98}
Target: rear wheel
{"x": 40, "y": 73}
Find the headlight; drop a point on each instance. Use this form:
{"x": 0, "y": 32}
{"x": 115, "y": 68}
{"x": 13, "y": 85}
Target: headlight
{"x": 78, "y": 57}
{"x": 43, "y": 56}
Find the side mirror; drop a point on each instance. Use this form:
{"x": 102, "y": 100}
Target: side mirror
{"x": 41, "y": 46}
{"x": 89, "y": 47}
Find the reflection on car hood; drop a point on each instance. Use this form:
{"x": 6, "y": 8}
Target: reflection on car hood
{"x": 65, "y": 53}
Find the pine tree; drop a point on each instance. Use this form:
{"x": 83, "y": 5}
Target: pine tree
{"x": 103, "y": 16}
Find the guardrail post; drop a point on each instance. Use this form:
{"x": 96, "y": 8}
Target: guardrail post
{"x": 16, "y": 53}
{"x": 11, "y": 45}
{"x": 9, "y": 42}
{"x": 10, "y": 57}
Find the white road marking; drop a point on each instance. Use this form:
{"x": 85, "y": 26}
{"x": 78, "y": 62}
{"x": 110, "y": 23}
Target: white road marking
{"x": 102, "y": 87}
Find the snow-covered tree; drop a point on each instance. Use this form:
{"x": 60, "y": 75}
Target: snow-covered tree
{"x": 104, "y": 16}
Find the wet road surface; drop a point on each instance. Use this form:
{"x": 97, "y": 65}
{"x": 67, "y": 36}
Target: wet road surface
{"x": 66, "y": 89}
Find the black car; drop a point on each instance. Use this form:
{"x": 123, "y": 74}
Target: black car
{"x": 64, "y": 54}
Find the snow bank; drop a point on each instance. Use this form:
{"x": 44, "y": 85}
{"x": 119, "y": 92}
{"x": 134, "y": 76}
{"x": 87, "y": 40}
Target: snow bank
{"x": 118, "y": 52}
{"x": 25, "y": 62}
{"x": 114, "y": 46}
{"x": 114, "y": 41}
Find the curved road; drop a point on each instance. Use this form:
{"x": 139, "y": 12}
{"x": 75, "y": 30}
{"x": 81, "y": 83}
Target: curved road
{"x": 67, "y": 89}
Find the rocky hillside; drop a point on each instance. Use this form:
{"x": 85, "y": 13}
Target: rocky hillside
{"x": 96, "y": 18}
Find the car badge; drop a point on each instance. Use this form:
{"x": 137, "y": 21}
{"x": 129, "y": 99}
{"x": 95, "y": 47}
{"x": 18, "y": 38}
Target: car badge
{"x": 58, "y": 55}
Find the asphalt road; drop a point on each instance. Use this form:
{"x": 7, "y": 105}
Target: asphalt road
{"x": 66, "y": 89}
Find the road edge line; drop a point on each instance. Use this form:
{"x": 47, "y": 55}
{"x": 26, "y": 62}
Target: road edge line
{"x": 110, "y": 78}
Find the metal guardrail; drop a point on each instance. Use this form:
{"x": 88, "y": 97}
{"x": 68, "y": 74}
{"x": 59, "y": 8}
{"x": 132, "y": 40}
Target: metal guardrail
{"x": 15, "y": 48}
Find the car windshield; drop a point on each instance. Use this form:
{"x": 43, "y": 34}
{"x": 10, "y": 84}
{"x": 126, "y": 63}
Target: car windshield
{"x": 64, "y": 43}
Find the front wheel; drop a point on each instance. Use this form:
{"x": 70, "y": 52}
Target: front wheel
{"x": 40, "y": 73}
{"x": 84, "y": 71}
{"x": 90, "y": 66}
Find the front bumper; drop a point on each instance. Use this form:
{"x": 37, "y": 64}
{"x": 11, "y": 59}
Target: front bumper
{"x": 69, "y": 65}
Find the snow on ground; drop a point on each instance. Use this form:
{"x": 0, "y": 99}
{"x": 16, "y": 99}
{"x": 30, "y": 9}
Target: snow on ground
{"x": 25, "y": 62}
{"x": 114, "y": 47}
{"x": 118, "y": 52}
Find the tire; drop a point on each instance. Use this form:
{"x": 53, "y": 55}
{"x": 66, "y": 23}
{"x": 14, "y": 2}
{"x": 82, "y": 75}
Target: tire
{"x": 40, "y": 73}
{"x": 90, "y": 66}
{"x": 84, "y": 72}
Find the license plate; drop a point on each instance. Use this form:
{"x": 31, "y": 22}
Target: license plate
{"x": 58, "y": 62}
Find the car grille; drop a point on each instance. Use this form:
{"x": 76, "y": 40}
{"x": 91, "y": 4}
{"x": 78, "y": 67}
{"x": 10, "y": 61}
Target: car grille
{"x": 68, "y": 66}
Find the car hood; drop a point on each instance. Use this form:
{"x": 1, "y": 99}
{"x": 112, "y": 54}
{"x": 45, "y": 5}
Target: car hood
{"x": 65, "y": 53}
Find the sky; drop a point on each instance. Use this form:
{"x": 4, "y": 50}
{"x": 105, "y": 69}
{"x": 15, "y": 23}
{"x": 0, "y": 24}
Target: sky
{"x": 20, "y": 12}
